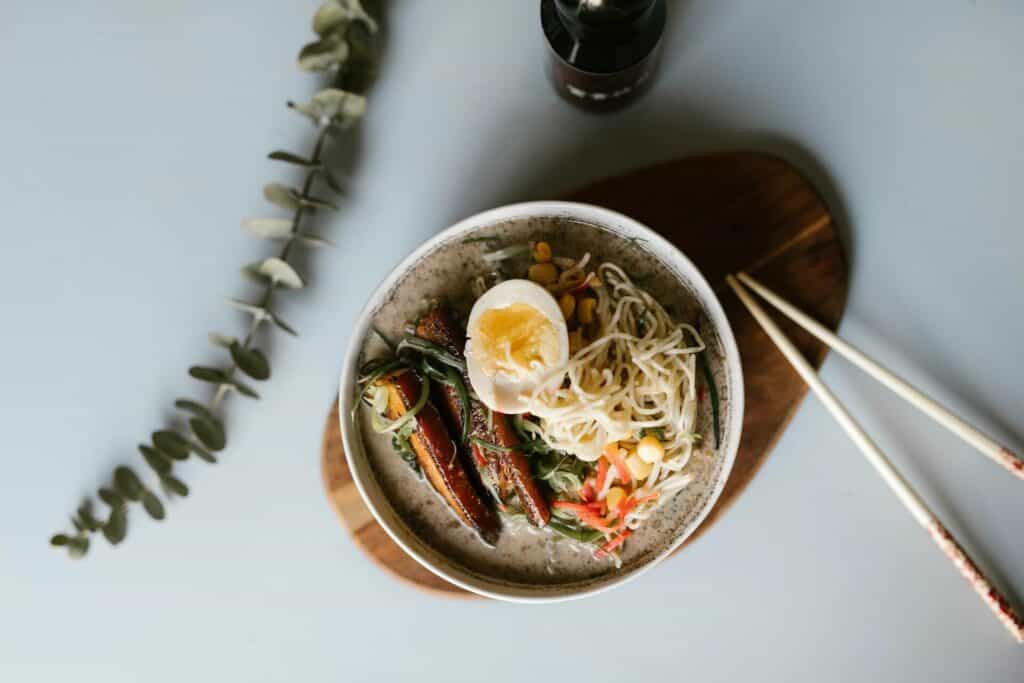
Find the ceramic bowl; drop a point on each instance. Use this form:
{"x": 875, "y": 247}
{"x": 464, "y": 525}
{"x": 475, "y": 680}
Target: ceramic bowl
{"x": 418, "y": 520}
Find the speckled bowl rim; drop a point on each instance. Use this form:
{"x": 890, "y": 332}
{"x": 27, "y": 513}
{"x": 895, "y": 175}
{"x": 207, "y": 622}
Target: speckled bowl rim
{"x": 361, "y": 470}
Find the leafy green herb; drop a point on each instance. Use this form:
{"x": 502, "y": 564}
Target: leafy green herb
{"x": 562, "y": 472}
{"x": 400, "y": 442}
{"x": 345, "y": 48}
{"x": 576, "y": 533}
{"x": 432, "y": 351}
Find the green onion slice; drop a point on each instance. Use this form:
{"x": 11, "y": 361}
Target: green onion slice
{"x": 382, "y": 426}
{"x": 712, "y": 392}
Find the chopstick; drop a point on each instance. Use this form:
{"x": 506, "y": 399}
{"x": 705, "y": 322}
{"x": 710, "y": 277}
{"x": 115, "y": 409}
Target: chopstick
{"x": 972, "y": 435}
{"x": 910, "y": 499}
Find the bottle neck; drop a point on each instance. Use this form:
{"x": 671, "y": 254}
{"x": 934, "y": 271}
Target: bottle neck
{"x": 607, "y": 20}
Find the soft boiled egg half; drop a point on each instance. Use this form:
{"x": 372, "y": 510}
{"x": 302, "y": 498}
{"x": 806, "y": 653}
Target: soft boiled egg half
{"x": 516, "y": 339}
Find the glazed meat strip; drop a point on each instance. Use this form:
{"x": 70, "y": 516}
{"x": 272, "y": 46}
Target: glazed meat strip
{"x": 437, "y": 455}
{"x": 509, "y": 469}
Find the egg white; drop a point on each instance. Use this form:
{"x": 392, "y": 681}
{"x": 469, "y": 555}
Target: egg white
{"x": 502, "y": 392}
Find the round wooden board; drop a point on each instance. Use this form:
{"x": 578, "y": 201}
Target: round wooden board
{"x": 727, "y": 212}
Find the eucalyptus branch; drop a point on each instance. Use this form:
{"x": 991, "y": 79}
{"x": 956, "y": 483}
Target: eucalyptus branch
{"x": 344, "y": 49}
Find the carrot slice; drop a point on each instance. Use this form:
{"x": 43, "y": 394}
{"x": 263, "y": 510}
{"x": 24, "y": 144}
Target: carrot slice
{"x": 602, "y": 474}
{"x": 579, "y": 508}
{"x": 611, "y": 451}
{"x": 614, "y": 543}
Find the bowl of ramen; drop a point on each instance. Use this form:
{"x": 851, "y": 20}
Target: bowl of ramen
{"x": 542, "y": 401}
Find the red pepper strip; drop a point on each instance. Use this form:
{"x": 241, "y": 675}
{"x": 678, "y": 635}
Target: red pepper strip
{"x": 614, "y": 543}
{"x": 602, "y": 524}
{"x": 612, "y": 452}
{"x": 586, "y": 493}
{"x": 602, "y": 474}
{"x": 478, "y": 456}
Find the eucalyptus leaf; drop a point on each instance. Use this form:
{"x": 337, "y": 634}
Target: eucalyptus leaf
{"x": 289, "y": 158}
{"x": 117, "y": 525}
{"x": 308, "y": 240}
{"x": 218, "y": 339}
{"x": 209, "y": 432}
{"x": 280, "y": 272}
{"x": 356, "y": 11}
{"x": 269, "y": 228}
{"x": 250, "y": 361}
{"x": 203, "y": 454}
{"x": 333, "y": 106}
{"x": 284, "y": 326}
{"x": 332, "y": 180}
{"x": 152, "y": 505}
{"x": 315, "y": 202}
{"x": 174, "y": 486}
{"x": 156, "y": 460}
{"x": 58, "y": 540}
{"x": 330, "y": 17}
{"x": 259, "y": 313}
{"x": 206, "y": 374}
{"x": 334, "y": 16}
{"x": 127, "y": 484}
{"x": 171, "y": 443}
{"x": 251, "y": 271}
{"x": 86, "y": 516}
{"x": 194, "y": 407}
{"x": 244, "y": 389}
{"x": 281, "y": 195}
{"x": 111, "y": 497}
{"x": 77, "y": 546}
{"x": 330, "y": 52}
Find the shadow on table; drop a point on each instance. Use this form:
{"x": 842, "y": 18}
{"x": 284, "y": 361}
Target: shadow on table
{"x": 630, "y": 142}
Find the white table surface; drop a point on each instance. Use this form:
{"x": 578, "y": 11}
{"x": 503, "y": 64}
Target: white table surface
{"x": 133, "y": 143}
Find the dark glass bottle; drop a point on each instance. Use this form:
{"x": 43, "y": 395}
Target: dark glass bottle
{"x": 603, "y": 52}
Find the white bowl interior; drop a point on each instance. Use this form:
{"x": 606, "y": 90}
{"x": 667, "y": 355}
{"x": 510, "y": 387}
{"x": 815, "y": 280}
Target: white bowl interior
{"x": 418, "y": 520}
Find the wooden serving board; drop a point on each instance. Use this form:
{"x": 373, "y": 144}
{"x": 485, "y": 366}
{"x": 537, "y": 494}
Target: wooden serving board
{"x": 727, "y": 212}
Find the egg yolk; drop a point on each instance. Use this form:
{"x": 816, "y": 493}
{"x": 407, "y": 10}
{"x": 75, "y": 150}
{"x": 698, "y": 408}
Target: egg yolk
{"x": 514, "y": 340}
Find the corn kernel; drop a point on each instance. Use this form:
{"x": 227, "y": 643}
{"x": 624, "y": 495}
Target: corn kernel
{"x": 543, "y": 273}
{"x": 637, "y": 467}
{"x": 542, "y": 252}
{"x": 650, "y": 449}
{"x": 585, "y": 310}
{"x": 575, "y": 341}
{"x": 614, "y": 497}
{"x": 568, "y": 304}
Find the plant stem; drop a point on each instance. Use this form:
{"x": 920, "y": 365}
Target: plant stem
{"x": 268, "y": 293}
